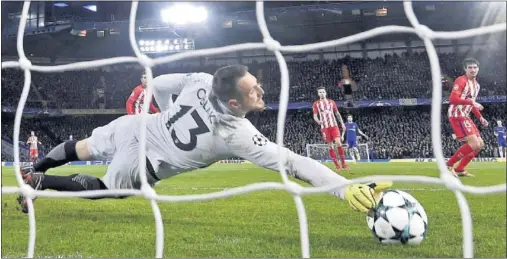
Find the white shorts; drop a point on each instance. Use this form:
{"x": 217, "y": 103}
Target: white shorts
{"x": 116, "y": 142}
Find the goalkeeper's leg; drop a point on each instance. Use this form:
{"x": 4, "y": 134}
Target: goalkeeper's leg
{"x": 62, "y": 154}
{"x": 122, "y": 173}
{"x": 72, "y": 183}
{"x": 99, "y": 146}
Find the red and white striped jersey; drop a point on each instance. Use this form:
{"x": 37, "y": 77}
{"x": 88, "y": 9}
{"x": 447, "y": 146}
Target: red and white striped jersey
{"x": 33, "y": 141}
{"x": 136, "y": 100}
{"x": 326, "y": 109}
{"x": 464, "y": 93}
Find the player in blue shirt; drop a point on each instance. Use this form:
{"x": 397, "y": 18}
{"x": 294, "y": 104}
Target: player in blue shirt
{"x": 500, "y": 137}
{"x": 352, "y": 129}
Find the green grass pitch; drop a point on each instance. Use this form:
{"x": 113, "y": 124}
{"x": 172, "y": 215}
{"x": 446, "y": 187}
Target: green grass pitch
{"x": 262, "y": 224}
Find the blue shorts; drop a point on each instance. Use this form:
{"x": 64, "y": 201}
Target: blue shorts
{"x": 501, "y": 142}
{"x": 351, "y": 143}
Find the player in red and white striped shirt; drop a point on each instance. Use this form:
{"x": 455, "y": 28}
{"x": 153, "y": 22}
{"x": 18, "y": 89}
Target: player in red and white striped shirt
{"x": 324, "y": 111}
{"x": 461, "y": 102}
{"x": 34, "y": 151}
{"x": 136, "y": 100}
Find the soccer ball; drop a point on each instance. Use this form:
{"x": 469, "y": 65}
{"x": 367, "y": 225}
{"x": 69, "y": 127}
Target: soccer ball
{"x": 398, "y": 218}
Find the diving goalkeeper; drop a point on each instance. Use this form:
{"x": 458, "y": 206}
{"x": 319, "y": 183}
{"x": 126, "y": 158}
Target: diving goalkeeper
{"x": 205, "y": 124}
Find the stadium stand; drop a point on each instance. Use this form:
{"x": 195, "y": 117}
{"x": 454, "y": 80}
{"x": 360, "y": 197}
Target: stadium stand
{"x": 392, "y": 77}
{"x": 395, "y": 132}
{"x": 406, "y": 133}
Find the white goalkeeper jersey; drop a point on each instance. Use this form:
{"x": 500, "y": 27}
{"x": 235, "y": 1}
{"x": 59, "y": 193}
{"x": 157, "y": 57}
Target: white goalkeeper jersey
{"x": 195, "y": 132}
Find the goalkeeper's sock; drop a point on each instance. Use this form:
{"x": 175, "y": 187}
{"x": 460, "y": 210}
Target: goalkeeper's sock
{"x": 71, "y": 183}
{"x": 463, "y": 151}
{"x": 74, "y": 183}
{"x": 60, "y": 155}
{"x": 465, "y": 161}
{"x": 333, "y": 157}
{"x": 342, "y": 155}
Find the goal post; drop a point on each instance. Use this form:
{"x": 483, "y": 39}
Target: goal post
{"x": 320, "y": 152}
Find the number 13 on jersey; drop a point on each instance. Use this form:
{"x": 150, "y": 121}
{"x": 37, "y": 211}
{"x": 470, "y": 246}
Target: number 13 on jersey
{"x": 194, "y": 132}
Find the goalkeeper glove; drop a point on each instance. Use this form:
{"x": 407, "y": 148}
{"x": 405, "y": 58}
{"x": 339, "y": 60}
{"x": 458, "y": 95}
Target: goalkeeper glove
{"x": 363, "y": 197}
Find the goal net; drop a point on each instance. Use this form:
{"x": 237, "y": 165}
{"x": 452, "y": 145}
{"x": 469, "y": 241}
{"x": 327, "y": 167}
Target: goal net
{"x": 320, "y": 152}
{"x": 146, "y": 191}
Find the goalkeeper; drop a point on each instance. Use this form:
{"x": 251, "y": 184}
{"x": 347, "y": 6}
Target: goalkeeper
{"x": 205, "y": 124}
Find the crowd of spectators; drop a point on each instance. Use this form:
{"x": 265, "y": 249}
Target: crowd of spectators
{"x": 395, "y": 132}
{"x": 391, "y": 77}
{"x": 51, "y": 130}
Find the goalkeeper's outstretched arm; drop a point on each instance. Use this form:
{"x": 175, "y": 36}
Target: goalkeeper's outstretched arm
{"x": 251, "y": 145}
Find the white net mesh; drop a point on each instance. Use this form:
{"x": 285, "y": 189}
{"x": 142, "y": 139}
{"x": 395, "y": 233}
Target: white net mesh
{"x": 426, "y": 34}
